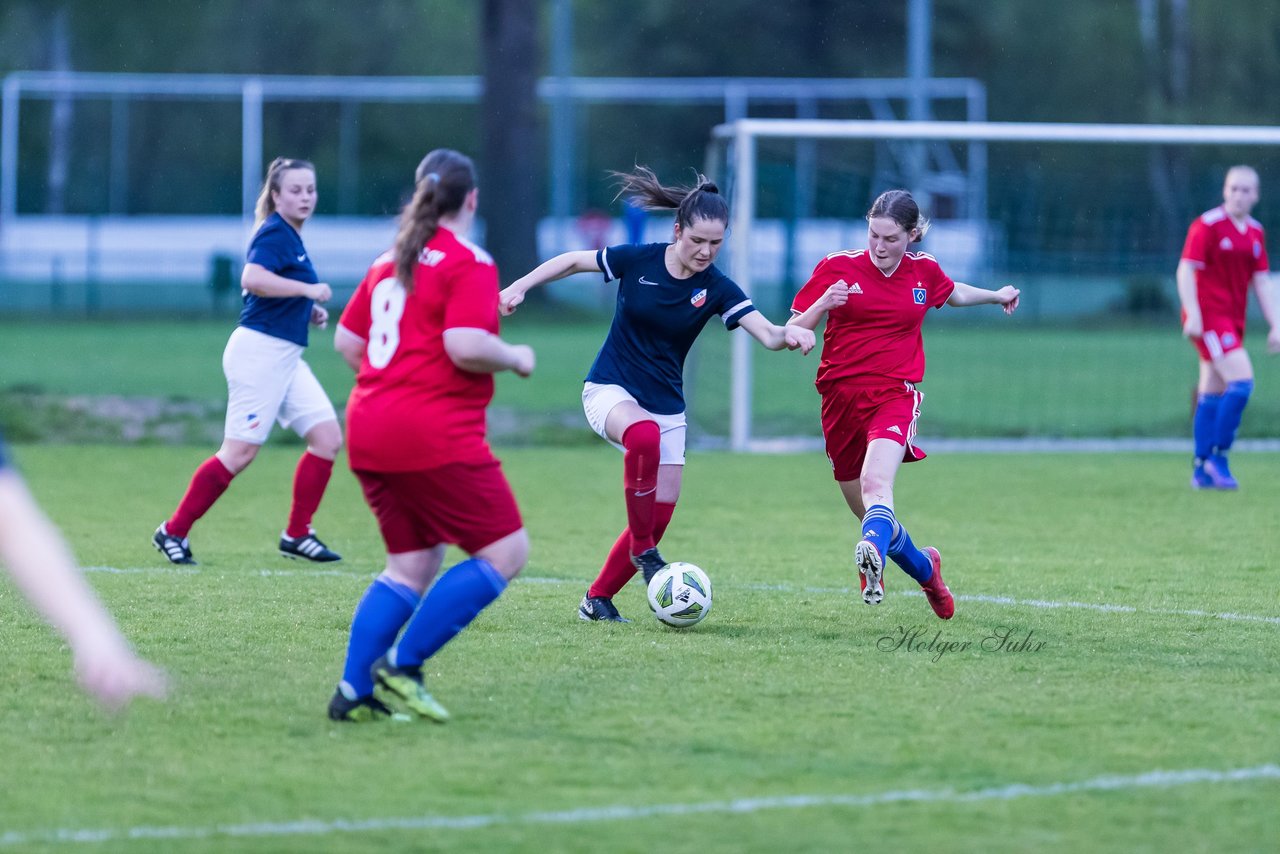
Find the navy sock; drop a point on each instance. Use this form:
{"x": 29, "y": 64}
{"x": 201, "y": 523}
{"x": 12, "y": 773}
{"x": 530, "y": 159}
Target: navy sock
{"x": 878, "y": 525}
{"x": 450, "y": 605}
{"x": 1234, "y": 400}
{"x": 383, "y": 610}
{"x": 1205, "y": 425}
{"x": 910, "y": 559}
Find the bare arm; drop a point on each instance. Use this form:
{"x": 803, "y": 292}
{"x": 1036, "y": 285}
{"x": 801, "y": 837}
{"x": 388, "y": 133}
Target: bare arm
{"x": 967, "y": 295}
{"x": 775, "y": 337}
{"x": 350, "y": 346}
{"x": 259, "y": 281}
{"x": 1262, "y": 289}
{"x": 1188, "y": 295}
{"x": 482, "y": 352}
{"x": 43, "y": 569}
{"x": 836, "y": 296}
{"x": 565, "y": 264}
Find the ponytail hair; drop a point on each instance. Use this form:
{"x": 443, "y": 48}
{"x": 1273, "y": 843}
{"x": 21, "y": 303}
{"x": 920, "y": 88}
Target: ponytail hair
{"x": 702, "y": 200}
{"x": 899, "y": 206}
{"x": 266, "y": 205}
{"x": 441, "y": 183}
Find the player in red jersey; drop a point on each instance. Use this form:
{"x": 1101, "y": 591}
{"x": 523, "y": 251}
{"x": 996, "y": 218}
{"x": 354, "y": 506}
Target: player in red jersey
{"x": 874, "y": 301}
{"x": 1225, "y": 253}
{"x": 421, "y": 332}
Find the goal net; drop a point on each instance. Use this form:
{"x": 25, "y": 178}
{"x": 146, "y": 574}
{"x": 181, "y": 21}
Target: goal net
{"x": 1087, "y": 220}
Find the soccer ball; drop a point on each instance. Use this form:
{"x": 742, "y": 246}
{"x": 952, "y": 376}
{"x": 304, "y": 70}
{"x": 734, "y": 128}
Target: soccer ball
{"x": 680, "y": 595}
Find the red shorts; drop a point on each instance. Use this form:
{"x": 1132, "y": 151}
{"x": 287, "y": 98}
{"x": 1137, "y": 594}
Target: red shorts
{"x": 469, "y": 505}
{"x": 1220, "y": 338}
{"x": 854, "y": 414}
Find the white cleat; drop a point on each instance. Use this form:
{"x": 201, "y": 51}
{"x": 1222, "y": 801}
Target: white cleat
{"x": 871, "y": 569}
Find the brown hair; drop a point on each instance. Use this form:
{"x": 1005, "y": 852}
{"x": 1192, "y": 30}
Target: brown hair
{"x": 700, "y": 201}
{"x": 266, "y": 205}
{"x": 899, "y": 206}
{"x": 441, "y": 183}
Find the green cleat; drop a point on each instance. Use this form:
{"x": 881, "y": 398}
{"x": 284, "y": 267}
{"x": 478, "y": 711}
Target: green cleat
{"x": 361, "y": 710}
{"x": 406, "y": 683}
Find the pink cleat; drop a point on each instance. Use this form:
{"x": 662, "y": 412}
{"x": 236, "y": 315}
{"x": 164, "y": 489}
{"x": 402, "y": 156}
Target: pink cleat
{"x": 935, "y": 589}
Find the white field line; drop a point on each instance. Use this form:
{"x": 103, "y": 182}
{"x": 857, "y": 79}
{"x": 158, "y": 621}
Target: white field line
{"x": 1104, "y": 608}
{"x": 622, "y": 812}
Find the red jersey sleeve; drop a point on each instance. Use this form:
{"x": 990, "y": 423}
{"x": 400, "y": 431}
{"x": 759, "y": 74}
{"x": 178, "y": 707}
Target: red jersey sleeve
{"x": 473, "y": 298}
{"x": 355, "y": 317}
{"x": 1260, "y": 263}
{"x": 824, "y": 276}
{"x": 940, "y": 288}
{"x": 1195, "y": 249}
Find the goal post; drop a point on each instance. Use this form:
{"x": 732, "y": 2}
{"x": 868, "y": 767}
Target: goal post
{"x": 734, "y": 153}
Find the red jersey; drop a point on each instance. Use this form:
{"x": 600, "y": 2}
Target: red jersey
{"x": 1225, "y": 258}
{"x": 412, "y": 409}
{"x": 876, "y": 334}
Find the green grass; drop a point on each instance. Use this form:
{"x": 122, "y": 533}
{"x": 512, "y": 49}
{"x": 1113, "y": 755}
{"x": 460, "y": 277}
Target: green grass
{"x": 783, "y": 691}
{"x": 988, "y": 378}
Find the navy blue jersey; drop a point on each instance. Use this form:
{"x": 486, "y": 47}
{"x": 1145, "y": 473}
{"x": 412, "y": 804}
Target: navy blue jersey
{"x": 278, "y": 248}
{"x": 656, "y": 321}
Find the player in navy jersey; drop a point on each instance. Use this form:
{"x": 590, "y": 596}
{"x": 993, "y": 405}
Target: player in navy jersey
{"x": 1225, "y": 255}
{"x": 267, "y": 380}
{"x": 41, "y": 565}
{"x": 874, "y": 302}
{"x": 634, "y": 392}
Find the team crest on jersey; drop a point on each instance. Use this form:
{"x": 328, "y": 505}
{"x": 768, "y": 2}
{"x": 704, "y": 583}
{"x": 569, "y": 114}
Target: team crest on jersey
{"x": 919, "y": 294}
{"x": 699, "y": 298}
{"x": 1257, "y": 249}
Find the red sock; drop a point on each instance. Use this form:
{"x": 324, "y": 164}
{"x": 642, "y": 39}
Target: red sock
{"x": 642, "y": 442}
{"x": 618, "y": 568}
{"x": 207, "y": 485}
{"x": 309, "y": 481}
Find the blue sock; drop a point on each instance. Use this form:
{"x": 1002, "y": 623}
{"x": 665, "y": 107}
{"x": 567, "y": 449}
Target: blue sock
{"x": 1205, "y": 425}
{"x": 910, "y": 559}
{"x": 450, "y": 605}
{"x": 878, "y": 525}
{"x": 1234, "y": 400}
{"x": 383, "y": 610}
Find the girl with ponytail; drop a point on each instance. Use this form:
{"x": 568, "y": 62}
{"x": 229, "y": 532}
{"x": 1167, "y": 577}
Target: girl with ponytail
{"x": 634, "y": 393}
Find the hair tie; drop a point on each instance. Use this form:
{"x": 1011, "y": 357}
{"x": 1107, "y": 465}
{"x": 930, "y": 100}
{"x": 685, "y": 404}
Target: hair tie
{"x": 432, "y": 176}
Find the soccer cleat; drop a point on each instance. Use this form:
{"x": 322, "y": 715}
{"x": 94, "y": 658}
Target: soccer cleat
{"x": 862, "y": 582}
{"x": 176, "y": 549}
{"x": 871, "y": 568}
{"x": 935, "y": 589}
{"x": 358, "y": 711}
{"x": 1218, "y": 471}
{"x": 648, "y": 562}
{"x": 1200, "y": 479}
{"x": 406, "y": 683}
{"x": 307, "y": 547}
{"x": 599, "y": 609}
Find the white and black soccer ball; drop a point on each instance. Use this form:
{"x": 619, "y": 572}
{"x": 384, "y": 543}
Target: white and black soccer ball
{"x": 680, "y": 595}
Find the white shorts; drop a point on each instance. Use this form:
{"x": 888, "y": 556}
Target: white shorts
{"x": 599, "y": 400}
{"x": 267, "y": 381}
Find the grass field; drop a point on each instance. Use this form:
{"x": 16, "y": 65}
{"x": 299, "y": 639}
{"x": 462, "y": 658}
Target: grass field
{"x": 1140, "y": 716}
{"x": 993, "y": 378}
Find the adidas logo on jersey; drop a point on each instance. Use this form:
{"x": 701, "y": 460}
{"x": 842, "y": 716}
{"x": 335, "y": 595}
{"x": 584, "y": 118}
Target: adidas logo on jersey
{"x": 855, "y": 288}
{"x": 1225, "y": 245}
{"x": 894, "y": 429}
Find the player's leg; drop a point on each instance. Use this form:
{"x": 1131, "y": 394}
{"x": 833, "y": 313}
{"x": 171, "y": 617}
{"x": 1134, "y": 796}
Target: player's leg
{"x": 637, "y": 431}
{"x": 1204, "y": 424}
{"x": 1235, "y": 371}
{"x": 618, "y": 569}
{"x": 306, "y": 409}
{"x": 879, "y": 467}
{"x": 209, "y": 481}
{"x": 475, "y": 508}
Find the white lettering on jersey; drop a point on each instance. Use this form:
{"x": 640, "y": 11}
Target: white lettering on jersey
{"x": 430, "y": 257}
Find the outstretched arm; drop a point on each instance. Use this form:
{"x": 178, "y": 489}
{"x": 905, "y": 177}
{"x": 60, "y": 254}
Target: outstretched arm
{"x": 481, "y": 352}
{"x": 565, "y": 264}
{"x": 775, "y": 337}
{"x": 1188, "y": 295}
{"x": 967, "y": 295}
{"x": 42, "y": 567}
{"x": 1262, "y": 289}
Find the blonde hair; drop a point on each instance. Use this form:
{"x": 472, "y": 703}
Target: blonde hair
{"x": 266, "y": 205}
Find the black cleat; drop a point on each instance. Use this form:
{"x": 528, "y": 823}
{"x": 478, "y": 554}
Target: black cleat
{"x": 308, "y": 547}
{"x": 358, "y": 711}
{"x": 176, "y": 549}
{"x": 648, "y": 562}
{"x": 599, "y": 609}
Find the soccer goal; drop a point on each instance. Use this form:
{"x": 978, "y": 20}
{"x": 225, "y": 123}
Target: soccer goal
{"x": 1087, "y": 219}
